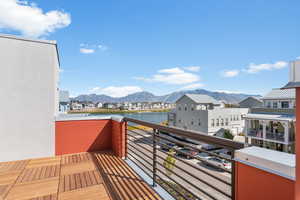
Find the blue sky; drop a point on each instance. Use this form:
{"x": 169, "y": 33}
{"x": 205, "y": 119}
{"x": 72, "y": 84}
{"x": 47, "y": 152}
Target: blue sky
{"x": 118, "y": 47}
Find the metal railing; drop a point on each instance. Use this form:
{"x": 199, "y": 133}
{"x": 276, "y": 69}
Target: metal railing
{"x": 185, "y": 169}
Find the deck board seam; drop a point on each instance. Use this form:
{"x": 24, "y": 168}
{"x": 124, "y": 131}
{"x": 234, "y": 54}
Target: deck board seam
{"x": 15, "y": 181}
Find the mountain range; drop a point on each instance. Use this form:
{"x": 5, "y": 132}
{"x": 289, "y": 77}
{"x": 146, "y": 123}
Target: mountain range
{"x": 144, "y": 96}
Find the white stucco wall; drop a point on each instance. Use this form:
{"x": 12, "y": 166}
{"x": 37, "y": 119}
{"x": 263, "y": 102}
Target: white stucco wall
{"x": 29, "y": 98}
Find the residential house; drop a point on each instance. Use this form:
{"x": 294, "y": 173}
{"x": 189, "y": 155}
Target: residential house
{"x": 64, "y": 101}
{"x": 272, "y": 126}
{"x": 205, "y": 114}
{"x": 99, "y": 105}
{"x": 109, "y": 106}
{"x": 251, "y": 102}
{"x": 75, "y": 105}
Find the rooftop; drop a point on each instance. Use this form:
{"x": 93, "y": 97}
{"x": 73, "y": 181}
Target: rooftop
{"x": 280, "y": 94}
{"x": 202, "y": 98}
{"x": 100, "y": 176}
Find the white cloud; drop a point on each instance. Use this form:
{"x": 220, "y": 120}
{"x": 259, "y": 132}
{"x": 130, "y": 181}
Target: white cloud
{"x": 86, "y": 51}
{"x": 115, "y": 91}
{"x": 192, "y": 86}
{"x": 192, "y": 68}
{"x": 173, "y": 76}
{"x": 228, "y": 91}
{"x": 29, "y": 20}
{"x": 230, "y": 73}
{"x": 102, "y": 47}
{"x": 255, "y": 68}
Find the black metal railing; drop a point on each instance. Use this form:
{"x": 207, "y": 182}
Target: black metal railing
{"x": 181, "y": 162}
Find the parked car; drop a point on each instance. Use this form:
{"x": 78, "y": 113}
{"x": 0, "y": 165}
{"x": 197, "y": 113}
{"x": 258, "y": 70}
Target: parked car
{"x": 218, "y": 162}
{"x": 168, "y": 146}
{"x": 187, "y": 153}
{"x": 210, "y": 147}
{"x": 223, "y": 152}
{"x": 203, "y": 156}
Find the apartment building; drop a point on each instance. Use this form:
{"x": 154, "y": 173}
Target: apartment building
{"x": 205, "y": 114}
{"x": 272, "y": 125}
{"x": 64, "y": 101}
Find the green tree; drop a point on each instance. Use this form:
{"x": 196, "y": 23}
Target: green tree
{"x": 169, "y": 163}
{"x": 228, "y": 134}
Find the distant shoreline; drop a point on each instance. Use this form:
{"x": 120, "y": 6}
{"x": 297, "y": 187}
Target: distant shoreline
{"x": 113, "y": 111}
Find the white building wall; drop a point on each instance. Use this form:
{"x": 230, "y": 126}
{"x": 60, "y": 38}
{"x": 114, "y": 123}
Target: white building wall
{"x": 29, "y": 98}
{"x": 236, "y": 124}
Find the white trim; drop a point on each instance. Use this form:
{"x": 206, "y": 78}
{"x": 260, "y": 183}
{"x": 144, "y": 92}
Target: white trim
{"x": 27, "y": 39}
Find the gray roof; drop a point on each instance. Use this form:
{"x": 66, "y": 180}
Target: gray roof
{"x": 202, "y": 98}
{"x": 251, "y": 97}
{"x": 280, "y": 94}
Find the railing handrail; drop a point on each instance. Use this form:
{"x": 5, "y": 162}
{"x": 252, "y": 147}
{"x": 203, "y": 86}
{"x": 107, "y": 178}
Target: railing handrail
{"x": 194, "y": 135}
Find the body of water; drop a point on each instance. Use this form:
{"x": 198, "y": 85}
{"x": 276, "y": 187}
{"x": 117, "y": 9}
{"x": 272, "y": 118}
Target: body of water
{"x": 154, "y": 117}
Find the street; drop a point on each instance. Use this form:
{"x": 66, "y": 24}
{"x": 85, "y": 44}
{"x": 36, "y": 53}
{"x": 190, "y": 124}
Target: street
{"x": 209, "y": 184}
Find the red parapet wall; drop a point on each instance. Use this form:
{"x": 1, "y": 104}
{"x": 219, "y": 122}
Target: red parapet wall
{"x": 118, "y": 138}
{"x": 255, "y": 184}
{"x": 76, "y": 136}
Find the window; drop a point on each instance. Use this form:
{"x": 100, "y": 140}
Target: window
{"x": 269, "y": 104}
{"x": 185, "y": 108}
{"x": 192, "y": 122}
{"x": 192, "y": 107}
{"x": 284, "y": 104}
{"x": 226, "y": 122}
{"x": 179, "y": 121}
{"x": 217, "y": 122}
{"x": 275, "y": 105}
{"x": 212, "y": 122}
{"x": 179, "y": 108}
{"x": 222, "y": 122}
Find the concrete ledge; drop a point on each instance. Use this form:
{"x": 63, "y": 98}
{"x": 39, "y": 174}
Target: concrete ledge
{"x": 81, "y": 117}
{"x": 275, "y": 162}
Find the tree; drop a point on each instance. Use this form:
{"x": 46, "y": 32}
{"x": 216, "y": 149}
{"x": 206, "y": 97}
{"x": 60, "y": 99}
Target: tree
{"x": 169, "y": 163}
{"x": 228, "y": 134}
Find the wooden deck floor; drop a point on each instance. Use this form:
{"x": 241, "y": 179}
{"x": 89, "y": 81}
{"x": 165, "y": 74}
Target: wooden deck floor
{"x": 90, "y": 176}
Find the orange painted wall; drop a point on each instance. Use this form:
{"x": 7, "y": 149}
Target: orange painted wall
{"x": 256, "y": 184}
{"x": 297, "y": 185}
{"x": 82, "y": 136}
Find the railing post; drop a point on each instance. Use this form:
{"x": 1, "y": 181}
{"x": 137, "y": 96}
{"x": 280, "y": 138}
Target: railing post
{"x": 233, "y": 178}
{"x": 154, "y": 156}
{"x": 126, "y": 140}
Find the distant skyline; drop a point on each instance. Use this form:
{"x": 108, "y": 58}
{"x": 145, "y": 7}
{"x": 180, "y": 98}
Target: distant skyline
{"x": 120, "y": 47}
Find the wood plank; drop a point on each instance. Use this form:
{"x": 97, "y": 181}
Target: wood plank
{"x": 73, "y": 176}
{"x": 33, "y": 189}
{"x": 96, "y": 192}
{"x": 77, "y": 167}
{"x": 41, "y": 162}
{"x": 32, "y": 174}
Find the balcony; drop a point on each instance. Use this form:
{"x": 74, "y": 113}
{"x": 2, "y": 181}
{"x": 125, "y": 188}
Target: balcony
{"x": 255, "y": 133}
{"x": 288, "y": 111}
{"x": 123, "y": 158}
{"x": 275, "y": 136}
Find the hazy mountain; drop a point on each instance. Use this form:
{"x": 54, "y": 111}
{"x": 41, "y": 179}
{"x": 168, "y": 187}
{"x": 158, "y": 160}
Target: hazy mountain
{"x": 172, "y": 97}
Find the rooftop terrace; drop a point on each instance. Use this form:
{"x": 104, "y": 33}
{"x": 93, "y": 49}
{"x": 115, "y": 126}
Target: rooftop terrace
{"x": 101, "y": 176}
